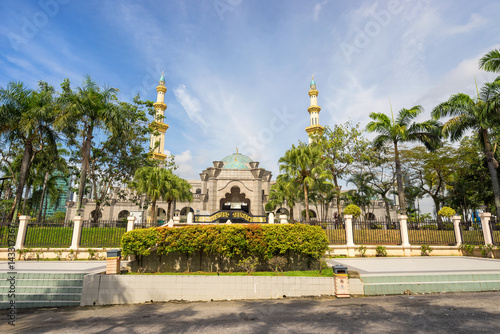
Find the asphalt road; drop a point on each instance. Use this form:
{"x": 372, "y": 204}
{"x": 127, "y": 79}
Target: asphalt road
{"x": 438, "y": 313}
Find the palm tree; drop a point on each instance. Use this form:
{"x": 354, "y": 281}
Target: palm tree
{"x": 27, "y": 117}
{"x": 479, "y": 115}
{"x": 177, "y": 189}
{"x": 150, "y": 181}
{"x": 83, "y": 111}
{"x": 284, "y": 191}
{"x": 491, "y": 61}
{"x": 401, "y": 130}
{"x": 304, "y": 165}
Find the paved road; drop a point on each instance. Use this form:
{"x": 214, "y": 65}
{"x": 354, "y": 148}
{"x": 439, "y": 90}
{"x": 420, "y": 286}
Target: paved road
{"x": 439, "y": 313}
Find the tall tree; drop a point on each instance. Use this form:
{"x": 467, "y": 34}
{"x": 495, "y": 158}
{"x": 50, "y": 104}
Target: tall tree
{"x": 304, "y": 165}
{"x": 27, "y": 117}
{"x": 176, "y": 189}
{"x": 284, "y": 191}
{"x": 341, "y": 146}
{"x": 400, "y": 130}
{"x": 479, "y": 115}
{"x": 491, "y": 61}
{"x": 88, "y": 108}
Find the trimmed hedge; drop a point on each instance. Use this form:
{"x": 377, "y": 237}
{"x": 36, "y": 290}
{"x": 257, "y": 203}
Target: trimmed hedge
{"x": 263, "y": 241}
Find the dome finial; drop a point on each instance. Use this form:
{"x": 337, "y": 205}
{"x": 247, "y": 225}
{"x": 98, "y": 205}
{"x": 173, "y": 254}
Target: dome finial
{"x": 162, "y": 78}
{"x": 313, "y": 83}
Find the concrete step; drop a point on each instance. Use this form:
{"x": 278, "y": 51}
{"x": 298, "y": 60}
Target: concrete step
{"x": 436, "y": 283}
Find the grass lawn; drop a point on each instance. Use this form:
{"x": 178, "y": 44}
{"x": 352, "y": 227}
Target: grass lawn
{"x": 377, "y": 236}
{"x": 327, "y": 272}
{"x": 47, "y": 236}
{"x": 432, "y": 237}
{"x": 102, "y": 236}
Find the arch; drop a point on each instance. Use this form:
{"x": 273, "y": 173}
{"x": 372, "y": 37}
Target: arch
{"x": 235, "y": 200}
{"x": 185, "y": 210}
{"x": 161, "y": 214}
{"x": 370, "y": 216}
{"x": 286, "y": 212}
{"x": 198, "y": 191}
{"x": 123, "y": 214}
{"x": 234, "y": 183}
{"x": 92, "y": 214}
{"x": 312, "y": 214}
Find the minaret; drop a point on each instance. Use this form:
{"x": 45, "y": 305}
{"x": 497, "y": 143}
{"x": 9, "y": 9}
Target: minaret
{"x": 314, "y": 110}
{"x": 157, "y": 123}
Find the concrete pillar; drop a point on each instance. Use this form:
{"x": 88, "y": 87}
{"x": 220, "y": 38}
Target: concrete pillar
{"x": 405, "y": 241}
{"x": 228, "y": 222}
{"x": 283, "y": 219}
{"x": 271, "y": 218}
{"x": 21, "y": 232}
{"x": 190, "y": 217}
{"x": 349, "y": 237}
{"x": 456, "y": 227}
{"x": 77, "y": 232}
{"x": 485, "y": 223}
{"x": 130, "y": 223}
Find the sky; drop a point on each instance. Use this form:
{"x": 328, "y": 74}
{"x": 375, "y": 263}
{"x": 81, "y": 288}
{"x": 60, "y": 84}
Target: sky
{"x": 238, "y": 71}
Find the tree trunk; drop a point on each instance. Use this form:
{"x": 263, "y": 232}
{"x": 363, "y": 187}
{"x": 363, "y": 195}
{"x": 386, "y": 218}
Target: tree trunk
{"x": 95, "y": 216}
{"x": 85, "y": 166}
{"x": 492, "y": 167}
{"x": 154, "y": 222}
{"x": 291, "y": 213}
{"x": 399, "y": 175}
{"x": 306, "y": 201}
{"x": 44, "y": 190}
{"x": 387, "y": 209}
{"x": 169, "y": 208}
{"x": 337, "y": 189}
{"x": 25, "y": 166}
{"x": 25, "y": 199}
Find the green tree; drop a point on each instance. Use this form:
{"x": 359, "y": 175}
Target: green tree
{"x": 177, "y": 189}
{"x": 88, "y": 108}
{"x": 341, "y": 146}
{"x": 479, "y": 115}
{"x": 400, "y": 130}
{"x": 26, "y": 118}
{"x": 491, "y": 61}
{"x": 284, "y": 191}
{"x": 304, "y": 165}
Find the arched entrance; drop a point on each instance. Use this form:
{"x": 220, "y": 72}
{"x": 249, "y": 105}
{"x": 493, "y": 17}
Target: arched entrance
{"x": 235, "y": 200}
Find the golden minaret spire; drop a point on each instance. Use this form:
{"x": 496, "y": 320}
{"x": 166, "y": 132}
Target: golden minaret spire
{"x": 157, "y": 143}
{"x": 314, "y": 109}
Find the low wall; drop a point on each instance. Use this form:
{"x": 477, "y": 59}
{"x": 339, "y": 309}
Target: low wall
{"x": 129, "y": 289}
{"x": 50, "y": 253}
{"x": 176, "y": 262}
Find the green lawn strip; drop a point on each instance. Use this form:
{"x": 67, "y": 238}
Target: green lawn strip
{"x": 46, "y": 236}
{"x": 327, "y": 272}
{"x": 102, "y": 236}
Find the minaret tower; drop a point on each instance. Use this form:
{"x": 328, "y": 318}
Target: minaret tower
{"x": 314, "y": 110}
{"x": 158, "y": 124}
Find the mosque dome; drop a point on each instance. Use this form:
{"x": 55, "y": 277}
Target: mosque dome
{"x": 162, "y": 78}
{"x": 236, "y": 161}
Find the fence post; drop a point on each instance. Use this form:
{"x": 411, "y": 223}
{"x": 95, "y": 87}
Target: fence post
{"x": 271, "y": 218}
{"x": 456, "y": 226}
{"x": 405, "y": 241}
{"x": 77, "y": 232}
{"x": 21, "y": 232}
{"x": 130, "y": 223}
{"x": 349, "y": 235}
{"x": 485, "y": 224}
{"x": 190, "y": 218}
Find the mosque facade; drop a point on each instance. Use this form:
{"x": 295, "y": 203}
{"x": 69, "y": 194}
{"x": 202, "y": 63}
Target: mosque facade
{"x": 234, "y": 183}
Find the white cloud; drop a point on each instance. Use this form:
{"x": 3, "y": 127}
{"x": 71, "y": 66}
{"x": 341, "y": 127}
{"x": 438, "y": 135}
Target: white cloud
{"x": 475, "y": 21}
{"x": 318, "y": 7}
{"x": 191, "y": 105}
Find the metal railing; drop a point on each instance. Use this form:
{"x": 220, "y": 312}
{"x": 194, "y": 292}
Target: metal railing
{"x": 472, "y": 233}
{"x": 431, "y": 232}
{"x": 334, "y": 229}
{"x": 495, "y": 231}
{"x": 48, "y": 233}
{"x": 5, "y": 223}
{"x": 103, "y": 233}
{"x": 376, "y": 232}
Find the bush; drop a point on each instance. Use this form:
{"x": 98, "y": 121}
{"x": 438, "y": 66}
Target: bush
{"x": 278, "y": 263}
{"x": 467, "y": 249}
{"x": 429, "y": 227}
{"x": 249, "y": 264}
{"x": 446, "y": 212}
{"x": 262, "y": 241}
{"x": 353, "y": 210}
{"x": 381, "y": 252}
{"x": 425, "y": 250}
{"x": 362, "y": 251}
{"x": 485, "y": 249}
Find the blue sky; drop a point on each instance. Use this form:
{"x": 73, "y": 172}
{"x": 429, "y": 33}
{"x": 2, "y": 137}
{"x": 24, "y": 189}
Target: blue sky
{"x": 238, "y": 71}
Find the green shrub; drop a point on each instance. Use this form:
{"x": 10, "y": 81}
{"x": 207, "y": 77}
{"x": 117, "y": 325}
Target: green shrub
{"x": 446, "y": 212}
{"x": 278, "y": 263}
{"x": 425, "y": 250}
{"x": 362, "y": 251}
{"x": 380, "y": 250}
{"x": 353, "y": 210}
{"x": 429, "y": 227}
{"x": 467, "y": 249}
{"x": 485, "y": 249}
{"x": 249, "y": 264}
{"x": 263, "y": 241}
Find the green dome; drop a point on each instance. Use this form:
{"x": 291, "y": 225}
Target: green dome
{"x": 236, "y": 161}
{"x": 162, "y": 78}
{"x": 313, "y": 83}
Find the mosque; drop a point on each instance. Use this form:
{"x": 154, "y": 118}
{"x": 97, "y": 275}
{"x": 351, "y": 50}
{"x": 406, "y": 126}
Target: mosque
{"x": 234, "y": 187}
